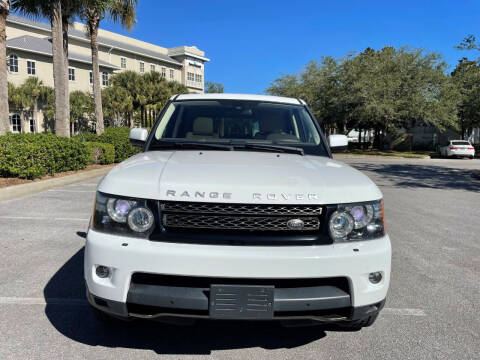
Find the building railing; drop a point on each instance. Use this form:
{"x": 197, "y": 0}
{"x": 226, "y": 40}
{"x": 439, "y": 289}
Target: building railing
{"x": 195, "y": 84}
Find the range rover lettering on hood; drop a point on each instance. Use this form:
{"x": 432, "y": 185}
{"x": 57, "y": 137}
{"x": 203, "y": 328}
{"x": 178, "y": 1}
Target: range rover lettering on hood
{"x": 225, "y": 195}
{"x": 199, "y": 194}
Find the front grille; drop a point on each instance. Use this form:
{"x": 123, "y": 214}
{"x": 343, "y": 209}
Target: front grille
{"x": 239, "y": 217}
{"x": 241, "y": 209}
{"x": 263, "y": 223}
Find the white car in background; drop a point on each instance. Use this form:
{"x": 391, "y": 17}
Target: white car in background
{"x": 457, "y": 148}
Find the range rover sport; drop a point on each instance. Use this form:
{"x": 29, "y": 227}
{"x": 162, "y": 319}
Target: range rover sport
{"x": 235, "y": 209}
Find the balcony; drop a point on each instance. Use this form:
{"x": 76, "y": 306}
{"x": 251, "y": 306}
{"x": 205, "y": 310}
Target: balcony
{"x": 195, "y": 84}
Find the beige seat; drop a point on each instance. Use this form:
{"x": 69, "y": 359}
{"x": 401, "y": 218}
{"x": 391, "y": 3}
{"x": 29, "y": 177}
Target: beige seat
{"x": 202, "y": 129}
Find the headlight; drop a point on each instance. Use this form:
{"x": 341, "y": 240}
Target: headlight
{"x": 360, "y": 221}
{"x": 116, "y": 215}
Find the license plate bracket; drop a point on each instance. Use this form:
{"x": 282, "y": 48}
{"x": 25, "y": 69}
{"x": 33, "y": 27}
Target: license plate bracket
{"x": 241, "y": 302}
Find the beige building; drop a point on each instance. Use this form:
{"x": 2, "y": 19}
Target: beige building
{"x": 29, "y": 53}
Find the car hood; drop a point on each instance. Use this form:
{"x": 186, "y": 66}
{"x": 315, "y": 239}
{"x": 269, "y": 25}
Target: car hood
{"x": 238, "y": 177}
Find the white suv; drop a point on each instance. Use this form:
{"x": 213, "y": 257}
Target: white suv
{"x": 235, "y": 209}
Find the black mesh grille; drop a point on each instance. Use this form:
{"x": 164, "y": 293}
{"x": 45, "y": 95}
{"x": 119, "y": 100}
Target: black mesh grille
{"x": 263, "y": 223}
{"x": 241, "y": 209}
{"x": 240, "y": 217}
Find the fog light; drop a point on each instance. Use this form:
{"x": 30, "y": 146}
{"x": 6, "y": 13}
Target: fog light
{"x": 375, "y": 277}
{"x": 102, "y": 271}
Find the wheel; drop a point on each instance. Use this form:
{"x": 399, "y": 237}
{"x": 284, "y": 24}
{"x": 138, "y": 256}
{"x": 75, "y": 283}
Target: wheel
{"x": 471, "y": 157}
{"x": 358, "y": 324}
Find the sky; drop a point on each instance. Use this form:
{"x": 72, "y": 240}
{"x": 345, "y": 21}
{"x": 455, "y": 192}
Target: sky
{"x": 253, "y": 42}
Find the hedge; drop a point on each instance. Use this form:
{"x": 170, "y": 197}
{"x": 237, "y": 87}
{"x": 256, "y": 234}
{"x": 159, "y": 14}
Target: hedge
{"x": 118, "y": 137}
{"x": 35, "y": 155}
{"x": 100, "y": 153}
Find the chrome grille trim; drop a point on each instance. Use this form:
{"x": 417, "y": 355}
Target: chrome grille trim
{"x": 254, "y": 223}
{"x": 240, "y": 209}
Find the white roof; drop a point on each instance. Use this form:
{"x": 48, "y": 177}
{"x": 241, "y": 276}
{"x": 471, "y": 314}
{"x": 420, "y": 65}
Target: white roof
{"x": 223, "y": 96}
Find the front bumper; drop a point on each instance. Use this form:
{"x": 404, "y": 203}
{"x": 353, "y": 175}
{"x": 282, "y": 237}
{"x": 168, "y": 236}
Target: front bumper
{"x": 125, "y": 257}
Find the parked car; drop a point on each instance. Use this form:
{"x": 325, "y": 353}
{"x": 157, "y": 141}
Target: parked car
{"x": 236, "y": 209}
{"x": 457, "y": 148}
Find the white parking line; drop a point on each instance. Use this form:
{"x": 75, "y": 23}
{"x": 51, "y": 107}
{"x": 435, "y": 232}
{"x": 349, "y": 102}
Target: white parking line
{"x": 41, "y": 218}
{"x": 403, "y": 312}
{"x": 76, "y": 191}
{"x": 42, "y": 301}
{"x": 83, "y": 302}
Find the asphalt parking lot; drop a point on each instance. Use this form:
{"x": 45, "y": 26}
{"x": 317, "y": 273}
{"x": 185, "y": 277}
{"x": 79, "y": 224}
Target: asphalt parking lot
{"x": 432, "y": 311}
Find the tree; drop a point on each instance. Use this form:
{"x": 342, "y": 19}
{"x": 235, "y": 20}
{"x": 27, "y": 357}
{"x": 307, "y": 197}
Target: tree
{"x": 133, "y": 83}
{"x": 81, "y": 110}
{"x": 383, "y": 90}
{"x": 32, "y": 90}
{"x": 466, "y": 77}
{"x": 59, "y": 12}
{"x": 4, "y": 122}
{"x": 93, "y": 11}
{"x": 118, "y": 105}
{"x": 20, "y": 102}
{"x": 214, "y": 87}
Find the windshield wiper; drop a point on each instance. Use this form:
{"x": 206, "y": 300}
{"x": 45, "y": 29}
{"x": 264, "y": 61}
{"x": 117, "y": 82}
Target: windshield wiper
{"x": 274, "y": 148}
{"x": 189, "y": 145}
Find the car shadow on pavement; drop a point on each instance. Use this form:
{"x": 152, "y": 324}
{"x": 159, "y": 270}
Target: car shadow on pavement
{"x": 76, "y": 321}
{"x": 421, "y": 176}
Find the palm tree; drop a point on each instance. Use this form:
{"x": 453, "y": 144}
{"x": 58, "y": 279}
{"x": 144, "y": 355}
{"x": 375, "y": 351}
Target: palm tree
{"x": 33, "y": 89}
{"x": 93, "y": 11}
{"x": 4, "y": 123}
{"x": 134, "y": 83}
{"x": 60, "y": 12}
{"x": 21, "y": 103}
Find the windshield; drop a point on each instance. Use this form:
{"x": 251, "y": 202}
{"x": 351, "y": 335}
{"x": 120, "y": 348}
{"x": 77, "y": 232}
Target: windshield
{"x": 236, "y": 122}
{"x": 460, "y": 143}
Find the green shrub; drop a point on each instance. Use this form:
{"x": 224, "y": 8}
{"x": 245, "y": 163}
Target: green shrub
{"x": 86, "y": 136}
{"x": 35, "y": 155}
{"x": 100, "y": 153}
{"x": 118, "y": 137}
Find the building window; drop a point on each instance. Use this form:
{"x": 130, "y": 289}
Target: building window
{"x": 152, "y": 67}
{"x": 164, "y": 72}
{"x": 13, "y": 63}
{"x": 30, "y": 67}
{"x": 172, "y": 74}
{"x": 190, "y": 76}
{"x": 15, "y": 123}
{"x": 91, "y": 77}
{"x": 32, "y": 125}
{"x": 104, "y": 78}
{"x": 198, "y": 78}
{"x": 142, "y": 67}
{"x": 71, "y": 74}
{"x": 123, "y": 63}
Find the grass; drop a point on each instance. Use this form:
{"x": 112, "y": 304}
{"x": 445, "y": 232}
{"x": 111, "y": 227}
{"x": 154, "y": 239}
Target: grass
{"x": 403, "y": 154}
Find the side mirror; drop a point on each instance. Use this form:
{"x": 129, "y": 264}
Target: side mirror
{"x": 138, "y": 136}
{"x": 338, "y": 143}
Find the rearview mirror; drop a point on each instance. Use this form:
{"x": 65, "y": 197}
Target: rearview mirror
{"x": 338, "y": 143}
{"x": 138, "y": 136}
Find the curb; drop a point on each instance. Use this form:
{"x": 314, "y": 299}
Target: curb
{"x": 366, "y": 156}
{"x": 22, "y": 190}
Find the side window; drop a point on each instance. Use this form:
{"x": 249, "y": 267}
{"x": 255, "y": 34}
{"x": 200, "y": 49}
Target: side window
{"x": 13, "y": 63}
{"x": 15, "y": 123}
{"x": 30, "y": 67}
